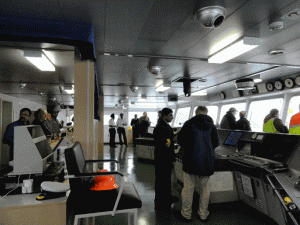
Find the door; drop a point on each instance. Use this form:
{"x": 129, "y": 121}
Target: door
{"x": 6, "y": 118}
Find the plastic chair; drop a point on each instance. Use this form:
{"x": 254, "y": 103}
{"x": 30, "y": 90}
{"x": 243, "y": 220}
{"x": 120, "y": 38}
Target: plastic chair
{"x": 83, "y": 202}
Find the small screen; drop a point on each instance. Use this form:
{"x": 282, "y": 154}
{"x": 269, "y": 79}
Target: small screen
{"x": 233, "y": 138}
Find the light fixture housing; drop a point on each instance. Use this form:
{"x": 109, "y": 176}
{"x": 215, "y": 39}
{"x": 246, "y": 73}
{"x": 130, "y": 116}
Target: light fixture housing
{"x": 155, "y": 70}
{"x": 39, "y": 59}
{"x": 244, "y": 84}
{"x": 235, "y": 49}
{"x": 199, "y": 93}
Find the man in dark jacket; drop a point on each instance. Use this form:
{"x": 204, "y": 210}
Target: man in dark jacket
{"x": 229, "y": 121}
{"x": 8, "y": 137}
{"x": 164, "y": 157}
{"x": 135, "y": 129}
{"x": 198, "y": 137}
{"x": 243, "y": 123}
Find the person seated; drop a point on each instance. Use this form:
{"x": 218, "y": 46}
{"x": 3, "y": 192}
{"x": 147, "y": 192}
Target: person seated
{"x": 8, "y": 137}
{"x": 41, "y": 119}
{"x": 243, "y": 123}
{"x": 272, "y": 124}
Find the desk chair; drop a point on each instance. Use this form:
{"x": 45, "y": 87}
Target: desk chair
{"x": 83, "y": 202}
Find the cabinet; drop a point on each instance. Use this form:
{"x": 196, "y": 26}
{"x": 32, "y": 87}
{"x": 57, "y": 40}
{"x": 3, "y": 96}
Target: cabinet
{"x": 251, "y": 191}
{"x": 25, "y": 209}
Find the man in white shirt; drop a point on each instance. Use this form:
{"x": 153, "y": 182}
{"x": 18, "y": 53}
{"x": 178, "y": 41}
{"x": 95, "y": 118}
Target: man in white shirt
{"x": 121, "y": 124}
{"x": 112, "y": 131}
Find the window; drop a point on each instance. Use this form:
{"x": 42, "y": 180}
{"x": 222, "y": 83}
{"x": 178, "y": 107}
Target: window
{"x": 182, "y": 116}
{"x": 293, "y": 109}
{"x": 153, "y": 116}
{"x": 259, "y": 109}
{"x": 212, "y": 112}
{"x": 239, "y": 107}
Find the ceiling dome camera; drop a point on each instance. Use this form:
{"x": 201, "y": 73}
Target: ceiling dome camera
{"x": 211, "y": 16}
{"x": 155, "y": 70}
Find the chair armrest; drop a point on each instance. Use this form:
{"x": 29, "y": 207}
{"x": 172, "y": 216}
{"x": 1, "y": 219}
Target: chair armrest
{"x": 102, "y": 160}
{"x": 93, "y": 174}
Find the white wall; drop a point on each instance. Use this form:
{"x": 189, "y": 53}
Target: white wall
{"x": 19, "y": 103}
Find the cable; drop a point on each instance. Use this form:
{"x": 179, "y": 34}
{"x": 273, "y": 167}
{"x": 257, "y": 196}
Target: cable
{"x": 17, "y": 184}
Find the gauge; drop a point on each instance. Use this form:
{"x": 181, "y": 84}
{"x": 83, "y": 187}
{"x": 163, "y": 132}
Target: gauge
{"x": 279, "y": 85}
{"x": 222, "y": 95}
{"x": 297, "y": 80}
{"x": 270, "y": 86}
{"x": 289, "y": 82}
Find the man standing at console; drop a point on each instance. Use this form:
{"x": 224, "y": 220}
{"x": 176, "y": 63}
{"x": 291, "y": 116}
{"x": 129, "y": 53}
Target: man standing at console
{"x": 198, "y": 139}
{"x": 121, "y": 124}
{"x": 41, "y": 119}
{"x": 8, "y": 137}
{"x": 164, "y": 157}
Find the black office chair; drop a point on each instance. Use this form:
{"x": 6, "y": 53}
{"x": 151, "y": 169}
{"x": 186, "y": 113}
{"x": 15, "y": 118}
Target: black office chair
{"x": 83, "y": 202}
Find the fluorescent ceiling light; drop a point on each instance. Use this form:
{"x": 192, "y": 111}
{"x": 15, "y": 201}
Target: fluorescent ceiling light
{"x": 257, "y": 80}
{"x": 162, "y": 88}
{"x": 199, "y": 93}
{"x": 159, "y": 82}
{"x": 69, "y": 90}
{"x": 38, "y": 59}
{"x": 238, "y": 48}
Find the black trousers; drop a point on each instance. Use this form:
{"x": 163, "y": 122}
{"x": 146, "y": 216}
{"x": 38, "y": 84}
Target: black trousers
{"x": 112, "y": 134}
{"x": 121, "y": 132}
{"x": 163, "y": 184}
{"x": 135, "y": 134}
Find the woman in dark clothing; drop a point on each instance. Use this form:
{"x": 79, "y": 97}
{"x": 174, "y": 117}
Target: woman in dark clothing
{"x": 229, "y": 121}
{"x": 243, "y": 123}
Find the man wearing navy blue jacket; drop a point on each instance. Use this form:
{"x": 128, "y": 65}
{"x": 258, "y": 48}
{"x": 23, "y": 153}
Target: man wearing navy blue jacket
{"x": 198, "y": 138}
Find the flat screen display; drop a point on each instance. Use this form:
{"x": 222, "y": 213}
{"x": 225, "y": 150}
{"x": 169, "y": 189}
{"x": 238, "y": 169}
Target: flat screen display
{"x": 233, "y": 138}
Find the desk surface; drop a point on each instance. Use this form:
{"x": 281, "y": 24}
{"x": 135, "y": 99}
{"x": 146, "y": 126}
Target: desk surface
{"x": 27, "y": 200}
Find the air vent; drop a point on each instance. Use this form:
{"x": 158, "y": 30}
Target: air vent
{"x": 276, "y": 52}
{"x": 292, "y": 15}
{"x": 244, "y": 84}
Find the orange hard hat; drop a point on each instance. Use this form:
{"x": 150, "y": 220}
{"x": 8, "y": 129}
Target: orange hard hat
{"x": 102, "y": 183}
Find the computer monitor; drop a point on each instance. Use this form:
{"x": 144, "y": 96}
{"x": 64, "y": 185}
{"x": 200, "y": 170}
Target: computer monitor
{"x": 233, "y": 138}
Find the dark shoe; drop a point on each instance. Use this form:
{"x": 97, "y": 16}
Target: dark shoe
{"x": 203, "y": 220}
{"x": 180, "y": 217}
{"x": 174, "y": 199}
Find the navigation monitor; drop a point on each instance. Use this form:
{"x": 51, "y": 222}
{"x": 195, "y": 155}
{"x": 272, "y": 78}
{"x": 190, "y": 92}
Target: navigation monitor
{"x": 233, "y": 138}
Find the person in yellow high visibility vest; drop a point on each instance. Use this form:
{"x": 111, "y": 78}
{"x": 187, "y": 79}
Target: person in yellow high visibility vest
{"x": 272, "y": 124}
{"x": 295, "y": 123}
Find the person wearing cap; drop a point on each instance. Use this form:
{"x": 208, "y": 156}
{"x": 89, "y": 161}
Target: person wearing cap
{"x": 243, "y": 123}
{"x": 8, "y": 137}
{"x": 112, "y": 131}
{"x": 121, "y": 124}
{"x": 164, "y": 157}
{"x": 295, "y": 123}
{"x": 272, "y": 124}
{"x": 229, "y": 121}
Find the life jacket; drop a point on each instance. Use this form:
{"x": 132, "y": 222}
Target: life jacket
{"x": 269, "y": 126}
{"x": 295, "y": 124}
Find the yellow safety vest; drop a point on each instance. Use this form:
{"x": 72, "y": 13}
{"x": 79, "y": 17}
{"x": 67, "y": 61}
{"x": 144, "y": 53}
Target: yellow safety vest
{"x": 269, "y": 126}
{"x": 295, "y": 124}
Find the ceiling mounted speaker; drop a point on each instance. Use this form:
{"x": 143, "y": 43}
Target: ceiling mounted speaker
{"x": 244, "y": 84}
{"x": 211, "y": 16}
{"x": 155, "y": 70}
{"x": 134, "y": 89}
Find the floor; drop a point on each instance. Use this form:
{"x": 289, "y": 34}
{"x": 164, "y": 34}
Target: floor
{"x": 141, "y": 173}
